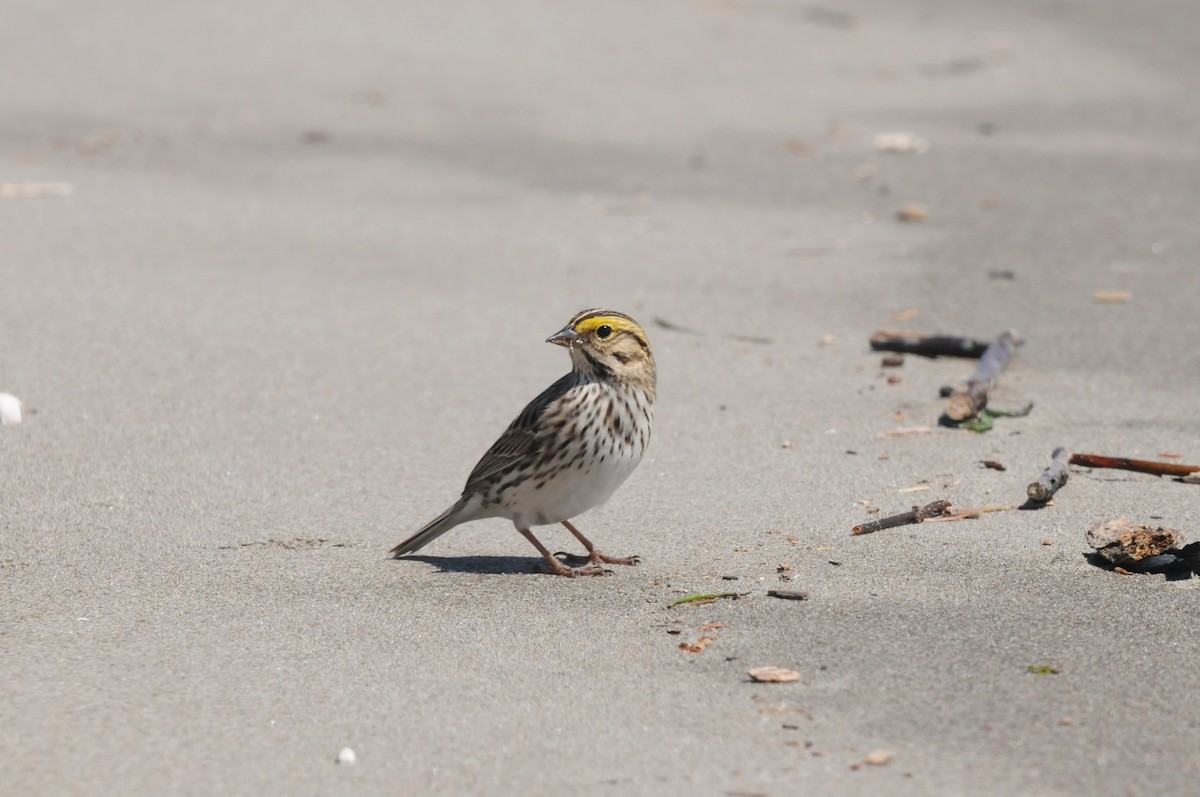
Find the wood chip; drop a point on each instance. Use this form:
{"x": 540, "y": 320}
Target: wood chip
{"x": 699, "y": 645}
{"x": 788, "y": 594}
{"x": 912, "y": 212}
{"x": 1112, "y": 297}
{"x": 878, "y": 758}
{"x": 773, "y": 675}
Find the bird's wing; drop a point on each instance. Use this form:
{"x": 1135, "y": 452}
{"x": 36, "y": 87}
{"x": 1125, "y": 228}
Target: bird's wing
{"x": 524, "y": 438}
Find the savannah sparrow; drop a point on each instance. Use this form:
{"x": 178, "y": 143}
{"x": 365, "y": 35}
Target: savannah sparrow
{"x": 571, "y": 447}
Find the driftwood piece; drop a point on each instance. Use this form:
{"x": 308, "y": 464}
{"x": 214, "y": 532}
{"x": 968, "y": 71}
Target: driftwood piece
{"x": 1123, "y": 542}
{"x": 1139, "y": 465}
{"x": 1054, "y": 478}
{"x": 788, "y": 594}
{"x": 927, "y": 345}
{"x": 967, "y": 402}
{"x": 916, "y": 515}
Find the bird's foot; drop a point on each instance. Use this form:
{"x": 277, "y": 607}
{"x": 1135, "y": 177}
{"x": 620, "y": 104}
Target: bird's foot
{"x": 559, "y": 569}
{"x": 596, "y": 557}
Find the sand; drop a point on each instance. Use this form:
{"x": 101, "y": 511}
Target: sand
{"x": 293, "y": 273}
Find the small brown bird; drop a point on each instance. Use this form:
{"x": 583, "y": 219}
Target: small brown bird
{"x": 571, "y": 447}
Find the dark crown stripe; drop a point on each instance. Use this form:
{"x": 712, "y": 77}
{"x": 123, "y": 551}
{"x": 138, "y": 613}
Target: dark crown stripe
{"x": 595, "y": 312}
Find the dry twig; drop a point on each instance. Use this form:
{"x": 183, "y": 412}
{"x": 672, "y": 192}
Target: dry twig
{"x": 916, "y": 515}
{"x": 956, "y": 513}
{"x": 927, "y": 345}
{"x": 1055, "y": 477}
{"x": 1139, "y": 465}
{"x": 967, "y": 403}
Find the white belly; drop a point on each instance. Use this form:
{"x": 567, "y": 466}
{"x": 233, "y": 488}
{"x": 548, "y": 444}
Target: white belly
{"x": 577, "y": 487}
{"x": 571, "y": 492}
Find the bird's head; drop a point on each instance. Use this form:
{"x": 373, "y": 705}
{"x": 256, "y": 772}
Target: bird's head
{"x": 606, "y": 344}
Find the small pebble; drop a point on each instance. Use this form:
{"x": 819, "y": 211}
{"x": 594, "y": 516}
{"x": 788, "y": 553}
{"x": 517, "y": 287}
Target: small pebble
{"x": 878, "y": 758}
{"x": 346, "y": 756}
{"x": 10, "y": 409}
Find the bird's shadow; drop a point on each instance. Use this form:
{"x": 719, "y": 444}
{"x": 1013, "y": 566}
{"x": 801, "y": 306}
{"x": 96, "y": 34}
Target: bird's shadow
{"x": 496, "y": 565}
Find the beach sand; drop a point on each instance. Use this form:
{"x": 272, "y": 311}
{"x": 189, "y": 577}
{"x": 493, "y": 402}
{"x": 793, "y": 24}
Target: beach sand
{"x": 275, "y": 276}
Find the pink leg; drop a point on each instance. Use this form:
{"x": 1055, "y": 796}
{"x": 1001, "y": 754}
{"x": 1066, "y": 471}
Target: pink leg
{"x": 595, "y": 556}
{"x": 557, "y": 567}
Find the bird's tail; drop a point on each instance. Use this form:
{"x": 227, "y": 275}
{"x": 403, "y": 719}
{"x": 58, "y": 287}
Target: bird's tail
{"x": 434, "y": 529}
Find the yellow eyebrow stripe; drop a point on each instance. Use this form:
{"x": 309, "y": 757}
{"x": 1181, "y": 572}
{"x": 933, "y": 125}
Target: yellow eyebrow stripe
{"x": 618, "y": 323}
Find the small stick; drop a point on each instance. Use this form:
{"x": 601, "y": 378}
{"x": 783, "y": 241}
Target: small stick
{"x": 1139, "y": 465}
{"x": 788, "y": 594}
{"x": 927, "y": 345}
{"x": 916, "y": 515}
{"x": 967, "y": 403}
{"x": 957, "y": 513}
{"x": 694, "y": 598}
{"x": 1055, "y": 477}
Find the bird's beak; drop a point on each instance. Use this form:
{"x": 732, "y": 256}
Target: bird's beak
{"x": 565, "y": 337}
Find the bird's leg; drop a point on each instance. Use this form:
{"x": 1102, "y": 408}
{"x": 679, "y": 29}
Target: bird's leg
{"x": 594, "y": 556}
{"x": 557, "y": 567}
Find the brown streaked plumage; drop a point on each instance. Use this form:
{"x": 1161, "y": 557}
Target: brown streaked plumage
{"x": 571, "y": 447}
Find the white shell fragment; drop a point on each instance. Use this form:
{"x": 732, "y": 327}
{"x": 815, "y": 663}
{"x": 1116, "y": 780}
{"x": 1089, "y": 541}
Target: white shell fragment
{"x": 901, "y": 143}
{"x": 346, "y": 756}
{"x": 773, "y": 675}
{"x": 10, "y": 409}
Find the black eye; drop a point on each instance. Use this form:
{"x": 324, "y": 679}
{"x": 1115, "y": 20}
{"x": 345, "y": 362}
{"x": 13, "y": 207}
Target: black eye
{"x": 603, "y": 331}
